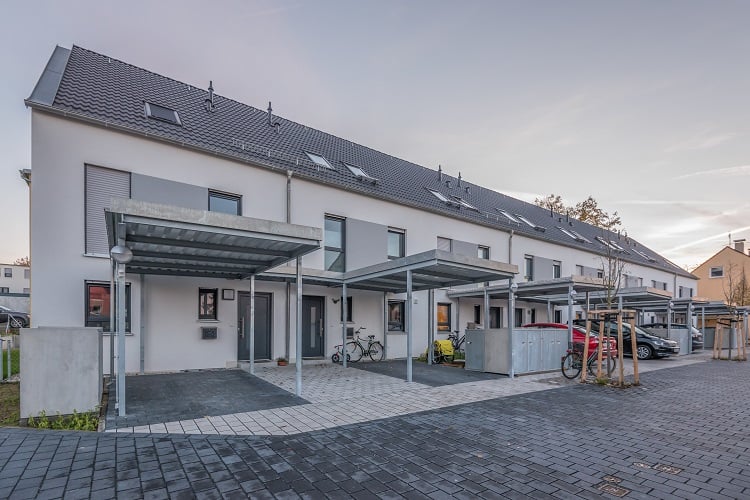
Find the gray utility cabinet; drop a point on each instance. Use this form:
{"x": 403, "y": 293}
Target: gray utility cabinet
{"x": 534, "y": 350}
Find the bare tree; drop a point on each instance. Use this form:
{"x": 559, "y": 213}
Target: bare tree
{"x": 736, "y": 287}
{"x": 587, "y": 211}
{"x": 552, "y": 202}
{"x": 23, "y": 261}
{"x": 613, "y": 272}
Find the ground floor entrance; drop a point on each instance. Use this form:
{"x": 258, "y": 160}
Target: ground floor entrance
{"x": 263, "y": 314}
{"x": 313, "y": 326}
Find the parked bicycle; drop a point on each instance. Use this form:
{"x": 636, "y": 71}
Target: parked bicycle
{"x": 443, "y": 352}
{"x": 572, "y": 362}
{"x": 355, "y": 349}
{"x": 458, "y": 342}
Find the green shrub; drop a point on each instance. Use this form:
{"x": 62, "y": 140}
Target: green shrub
{"x": 85, "y": 421}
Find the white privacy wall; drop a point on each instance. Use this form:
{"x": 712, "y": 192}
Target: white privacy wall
{"x": 60, "y": 150}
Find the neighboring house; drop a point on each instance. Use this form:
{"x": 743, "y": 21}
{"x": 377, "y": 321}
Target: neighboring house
{"x": 103, "y": 129}
{"x": 15, "y": 287}
{"x": 724, "y": 276}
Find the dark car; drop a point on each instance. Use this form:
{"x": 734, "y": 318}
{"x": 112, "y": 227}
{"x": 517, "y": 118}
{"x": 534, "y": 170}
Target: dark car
{"x": 648, "y": 346}
{"x": 17, "y": 319}
{"x": 697, "y": 336}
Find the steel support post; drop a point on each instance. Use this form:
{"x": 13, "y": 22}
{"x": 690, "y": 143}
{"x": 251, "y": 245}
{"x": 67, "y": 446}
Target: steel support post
{"x": 251, "y": 339}
{"x": 121, "y": 340}
{"x": 409, "y": 329}
{"x": 344, "y": 300}
{"x": 486, "y": 309}
{"x": 142, "y": 321}
{"x": 570, "y": 316}
{"x": 112, "y": 324}
{"x": 298, "y": 340}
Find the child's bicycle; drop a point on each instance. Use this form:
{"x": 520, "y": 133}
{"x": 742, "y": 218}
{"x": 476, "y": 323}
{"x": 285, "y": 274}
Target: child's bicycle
{"x": 337, "y": 356}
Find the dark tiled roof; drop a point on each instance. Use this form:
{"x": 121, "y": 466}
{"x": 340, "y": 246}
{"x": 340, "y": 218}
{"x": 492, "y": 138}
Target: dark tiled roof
{"x": 98, "y": 88}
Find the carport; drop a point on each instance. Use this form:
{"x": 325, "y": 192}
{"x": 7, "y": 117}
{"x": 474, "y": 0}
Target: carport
{"x": 149, "y": 238}
{"x": 424, "y": 271}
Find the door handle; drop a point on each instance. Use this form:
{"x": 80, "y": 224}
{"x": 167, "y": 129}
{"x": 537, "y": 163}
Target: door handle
{"x": 241, "y": 328}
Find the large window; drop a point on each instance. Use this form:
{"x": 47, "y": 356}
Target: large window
{"x": 207, "y": 301}
{"x": 225, "y": 203}
{"x": 444, "y": 317}
{"x": 528, "y": 267}
{"x": 396, "y": 243}
{"x": 97, "y": 306}
{"x": 717, "y": 272}
{"x": 396, "y": 316}
{"x": 335, "y": 248}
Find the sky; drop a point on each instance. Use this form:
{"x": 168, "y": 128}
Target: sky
{"x": 643, "y": 105}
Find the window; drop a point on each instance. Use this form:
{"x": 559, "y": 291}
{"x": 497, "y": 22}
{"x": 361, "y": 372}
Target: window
{"x": 496, "y": 317}
{"x": 518, "y": 317}
{"x": 579, "y": 271}
{"x": 528, "y": 267}
{"x": 530, "y": 224}
{"x": 444, "y": 317}
{"x": 508, "y": 216}
{"x": 445, "y": 244}
{"x": 27, "y": 290}
{"x": 359, "y": 173}
{"x": 574, "y": 234}
{"x": 334, "y": 244}
{"x": 600, "y": 273}
{"x": 605, "y": 243}
{"x": 319, "y": 161}
{"x": 644, "y": 255}
{"x": 225, "y": 203}
{"x": 396, "y": 316}
{"x": 4, "y": 289}
{"x": 208, "y": 299}
{"x": 679, "y": 292}
{"x": 8, "y": 272}
{"x": 556, "y": 269}
{"x": 97, "y": 306}
{"x": 483, "y": 252}
{"x": 477, "y": 314}
{"x": 348, "y": 310}
{"x": 717, "y": 272}
{"x": 27, "y": 274}
{"x": 162, "y": 113}
{"x": 465, "y": 204}
{"x": 439, "y": 196}
{"x": 101, "y": 185}
{"x": 396, "y": 243}
{"x": 532, "y": 315}
{"x": 558, "y": 316}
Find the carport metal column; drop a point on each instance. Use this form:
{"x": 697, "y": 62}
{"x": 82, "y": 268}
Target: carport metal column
{"x": 344, "y": 300}
{"x": 409, "y": 323}
{"x": 570, "y": 316}
{"x": 298, "y": 341}
{"x": 511, "y": 322}
{"x": 385, "y": 325}
{"x": 121, "y": 339}
{"x": 431, "y": 326}
{"x": 486, "y": 309}
{"x": 251, "y": 340}
{"x": 112, "y": 324}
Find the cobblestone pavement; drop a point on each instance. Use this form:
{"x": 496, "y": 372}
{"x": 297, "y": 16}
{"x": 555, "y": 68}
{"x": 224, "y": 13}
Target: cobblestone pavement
{"x": 682, "y": 434}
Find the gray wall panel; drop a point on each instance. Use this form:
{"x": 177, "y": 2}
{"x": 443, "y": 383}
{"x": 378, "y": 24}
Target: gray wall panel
{"x": 465, "y": 248}
{"x": 366, "y": 244}
{"x": 166, "y": 192}
{"x": 542, "y": 268}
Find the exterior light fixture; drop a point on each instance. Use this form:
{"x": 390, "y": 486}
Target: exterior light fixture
{"x": 121, "y": 254}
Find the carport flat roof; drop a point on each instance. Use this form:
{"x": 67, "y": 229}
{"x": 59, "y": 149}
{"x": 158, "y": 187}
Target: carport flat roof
{"x": 554, "y": 290}
{"x": 169, "y": 240}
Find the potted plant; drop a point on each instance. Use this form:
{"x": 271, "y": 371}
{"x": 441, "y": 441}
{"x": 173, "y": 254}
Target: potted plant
{"x": 282, "y": 361}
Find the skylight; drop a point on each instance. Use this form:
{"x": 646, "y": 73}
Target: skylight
{"x": 162, "y": 114}
{"x": 644, "y": 255}
{"x": 319, "y": 160}
{"x": 618, "y": 247}
{"x": 465, "y": 204}
{"x": 359, "y": 173}
{"x": 529, "y": 223}
{"x": 439, "y": 196}
{"x": 606, "y": 243}
{"x": 575, "y": 235}
{"x": 509, "y": 217}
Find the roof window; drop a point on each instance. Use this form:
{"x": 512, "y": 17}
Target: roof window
{"x": 465, "y": 204}
{"x": 359, "y": 173}
{"x": 443, "y": 198}
{"x": 319, "y": 160}
{"x": 530, "y": 224}
{"x": 606, "y": 243}
{"x": 508, "y": 216}
{"x": 574, "y": 234}
{"x": 644, "y": 255}
{"x": 162, "y": 113}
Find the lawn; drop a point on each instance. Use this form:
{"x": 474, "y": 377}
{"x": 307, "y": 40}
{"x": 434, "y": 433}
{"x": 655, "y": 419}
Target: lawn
{"x": 15, "y": 362}
{"x": 10, "y": 404}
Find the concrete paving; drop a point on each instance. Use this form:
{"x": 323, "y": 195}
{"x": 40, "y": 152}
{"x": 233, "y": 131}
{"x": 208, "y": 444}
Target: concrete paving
{"x": 682, "y": 434}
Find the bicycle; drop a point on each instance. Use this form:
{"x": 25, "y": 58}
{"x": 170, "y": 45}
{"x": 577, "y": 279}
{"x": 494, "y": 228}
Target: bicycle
{"x": 571, "y": 364}
{"x": 457, "y": 341}
{"x": 443, "y": 352}
{"x": 355, "y": 349}
{"x": 336, "y": 357}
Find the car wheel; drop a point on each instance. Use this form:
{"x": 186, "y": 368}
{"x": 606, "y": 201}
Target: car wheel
{"x": 16, "y": 323}
{"x": 644, "y": 351}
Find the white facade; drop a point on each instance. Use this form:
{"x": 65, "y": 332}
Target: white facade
{"x": 15, "y": 279}
{"x": 169, "y": 328}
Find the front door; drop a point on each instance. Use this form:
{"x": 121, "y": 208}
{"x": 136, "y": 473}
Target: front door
{"x": 262, "y": 326}
{"x": 313, "y": 319}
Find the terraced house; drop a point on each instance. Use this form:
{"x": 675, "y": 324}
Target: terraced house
{"x": 214, "y": 197}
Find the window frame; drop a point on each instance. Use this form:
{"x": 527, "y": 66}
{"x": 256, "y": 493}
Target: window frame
{"x": 528, "y": 267}
{"x": 556, "y": 269}
{"x": 449, "y": 240}
{"x": 226, "y": 196}
{"x": 349, "y": 310}
{"x": 328, "y": 248}
{"x": 397, "y": 326}
{"x": 443, "y": 326}
{"x": 150, "y": 113}
{"x": 323, "y": 164}
{"x": 211, "y": 316}
{"x": 478, "y": 314}
{"x": 8, "y": 272}
{"x": 483, "y": 250}
{"x": 104, "y": 324}
{"x": 402, "y": 242}
{"x": 4, "y": 289}
{"x": 711, "y": 272}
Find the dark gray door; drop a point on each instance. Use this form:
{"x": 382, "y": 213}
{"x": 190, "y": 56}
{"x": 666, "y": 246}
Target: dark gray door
{"x": 262, "y": 326}
{"x": 313, "y": 319}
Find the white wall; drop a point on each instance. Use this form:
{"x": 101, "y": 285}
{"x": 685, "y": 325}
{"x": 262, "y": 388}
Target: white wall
{"x": 16, "y": 283}
{"x": 60, "y": 150}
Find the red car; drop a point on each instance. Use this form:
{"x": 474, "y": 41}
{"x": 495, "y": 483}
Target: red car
{"x": 579, "y": 334}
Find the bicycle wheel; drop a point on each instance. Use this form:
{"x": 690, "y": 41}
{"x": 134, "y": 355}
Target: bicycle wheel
{"x": 608, "y": 365}
{"x": 437, "y": 355}
{"x": 571, "y": 365}
{"x": 376, "y": 351}
{"x": 354, "y": 351}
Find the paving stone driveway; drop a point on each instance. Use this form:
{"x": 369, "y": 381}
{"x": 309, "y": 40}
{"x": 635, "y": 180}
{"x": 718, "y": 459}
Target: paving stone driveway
{"x": 683, "y": 434}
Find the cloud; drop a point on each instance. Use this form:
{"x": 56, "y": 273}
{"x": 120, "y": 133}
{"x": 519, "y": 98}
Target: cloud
{"x": 719, "y": 172}
{"x": 716, "y": 236}
{"x": 676, "y": 203}
{"x": 701, "y": 141}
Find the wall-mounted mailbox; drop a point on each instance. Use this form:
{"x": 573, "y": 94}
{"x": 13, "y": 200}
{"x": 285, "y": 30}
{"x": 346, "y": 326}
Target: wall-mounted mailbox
{"x": 209, "y": 332}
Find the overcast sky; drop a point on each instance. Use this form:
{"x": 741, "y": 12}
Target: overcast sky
{"x": 643, "y": 105}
